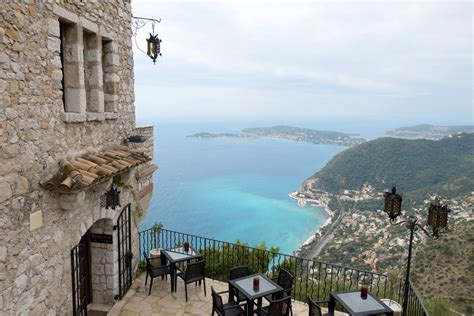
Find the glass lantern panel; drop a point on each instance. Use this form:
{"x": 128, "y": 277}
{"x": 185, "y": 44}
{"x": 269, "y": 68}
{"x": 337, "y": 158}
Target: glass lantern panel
{"x": 149, "y": 48}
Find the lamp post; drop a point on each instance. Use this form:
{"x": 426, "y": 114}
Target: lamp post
{"x": 153, "y": 42}
{"x": 437, "y": 220}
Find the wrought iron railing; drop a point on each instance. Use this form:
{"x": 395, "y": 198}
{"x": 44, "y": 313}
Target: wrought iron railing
{"x": 312, "y": 278}
{"x": 415, "y": 303}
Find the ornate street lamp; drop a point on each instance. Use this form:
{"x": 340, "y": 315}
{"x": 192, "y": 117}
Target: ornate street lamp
{"x": 437, "y": 219}
{"x": 153, "y": 42}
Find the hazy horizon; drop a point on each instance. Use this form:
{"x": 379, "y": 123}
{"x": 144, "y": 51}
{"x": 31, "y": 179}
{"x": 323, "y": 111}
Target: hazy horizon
{"x": 402, "y": 63}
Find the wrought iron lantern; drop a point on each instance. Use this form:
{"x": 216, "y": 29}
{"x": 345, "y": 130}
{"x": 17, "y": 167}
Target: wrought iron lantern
{"x": 111, "y": 198}
{"x": 153, "y": 47}
{"x": 437, "y": 217}
{"x": 393, "y": 204}
{"x": 153, "y": 42}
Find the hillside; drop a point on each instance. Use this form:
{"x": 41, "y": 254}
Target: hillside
{"x": 351, "y": 184}
{"x": 429, "y": 131}
{"x": 444, "y": 268}
{"x": 416, "y": 167}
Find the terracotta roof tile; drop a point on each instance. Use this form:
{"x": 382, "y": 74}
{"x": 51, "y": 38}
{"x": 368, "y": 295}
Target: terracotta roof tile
{"x": 80, "y": 172}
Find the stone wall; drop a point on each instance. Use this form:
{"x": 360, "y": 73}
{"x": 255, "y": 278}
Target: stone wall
{"x": 38, "y": 129}
{"x": 147, "y": 131}
{"x": 104, "y": 273}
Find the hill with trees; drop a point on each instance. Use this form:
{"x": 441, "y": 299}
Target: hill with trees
{"x": 416, "y": 167}
{"x": 444, "y": 269}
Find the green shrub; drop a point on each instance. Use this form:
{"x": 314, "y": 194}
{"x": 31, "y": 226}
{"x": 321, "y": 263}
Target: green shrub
{"x": 469, "y": 309}
{"x": 438, "y": 307}
{"x": 141, "y": 267}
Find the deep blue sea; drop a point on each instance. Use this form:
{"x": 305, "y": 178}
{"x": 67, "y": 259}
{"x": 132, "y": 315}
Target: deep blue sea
{"x": 234, "y": 189}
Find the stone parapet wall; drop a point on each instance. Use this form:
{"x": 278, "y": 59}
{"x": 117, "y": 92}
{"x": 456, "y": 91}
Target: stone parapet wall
{"x": 147, "y": 131}
{"x": 37, "y": 131}
{"x": 145, "y": 172}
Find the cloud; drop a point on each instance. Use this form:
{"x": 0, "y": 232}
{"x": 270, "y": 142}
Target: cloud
{"x": 372, "y": 52}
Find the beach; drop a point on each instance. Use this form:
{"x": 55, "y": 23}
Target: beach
{"x": 301, "y": 201}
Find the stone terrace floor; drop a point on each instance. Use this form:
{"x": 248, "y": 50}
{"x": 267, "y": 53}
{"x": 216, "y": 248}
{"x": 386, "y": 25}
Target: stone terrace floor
{"x": 164, "y": 303}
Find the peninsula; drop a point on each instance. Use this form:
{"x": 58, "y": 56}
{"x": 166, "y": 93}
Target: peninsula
{"x": 283, "y": 132}
{"x": 427, "y": 131}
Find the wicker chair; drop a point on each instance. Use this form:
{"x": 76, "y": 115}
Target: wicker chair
{"x": 194, "y": 273}
{"x": 154, "y": 270}
{"x": 279, "y": 307}
{"x": 285, "y": 280}
{"x": 236, "y": 273}
{"x": 315, "y": 307}
{"x": 229, "y": 309}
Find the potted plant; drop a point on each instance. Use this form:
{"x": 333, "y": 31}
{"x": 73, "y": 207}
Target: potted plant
{"x": 136, "y": 139}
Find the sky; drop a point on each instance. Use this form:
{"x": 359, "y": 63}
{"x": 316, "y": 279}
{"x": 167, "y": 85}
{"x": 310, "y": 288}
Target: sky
{"x": 405, "y": 62}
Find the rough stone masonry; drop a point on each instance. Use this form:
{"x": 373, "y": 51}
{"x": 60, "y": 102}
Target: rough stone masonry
{"x": 66, "y": 89}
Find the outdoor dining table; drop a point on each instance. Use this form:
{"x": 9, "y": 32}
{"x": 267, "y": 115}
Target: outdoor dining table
{"x": 245, "y": 286}
{"x": 355, "y": 305}
{"x": 177, "y": 255}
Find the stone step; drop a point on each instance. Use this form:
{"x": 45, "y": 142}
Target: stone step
{"x": 95, "y": 309}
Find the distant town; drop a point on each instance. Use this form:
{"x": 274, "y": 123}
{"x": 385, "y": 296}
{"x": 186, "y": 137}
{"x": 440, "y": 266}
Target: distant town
{"x": 367, "y": 230}
{"x": 427, "y": 131}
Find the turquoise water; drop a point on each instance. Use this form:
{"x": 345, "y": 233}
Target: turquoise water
{"x": 234, "y": 189}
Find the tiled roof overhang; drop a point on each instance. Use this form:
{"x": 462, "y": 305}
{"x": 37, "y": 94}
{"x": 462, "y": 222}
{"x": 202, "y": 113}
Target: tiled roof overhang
{"x": 81, "y": 172}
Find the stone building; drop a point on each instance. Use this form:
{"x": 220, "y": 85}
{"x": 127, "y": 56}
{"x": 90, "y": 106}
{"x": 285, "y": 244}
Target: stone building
{"x": 66, "y": 117}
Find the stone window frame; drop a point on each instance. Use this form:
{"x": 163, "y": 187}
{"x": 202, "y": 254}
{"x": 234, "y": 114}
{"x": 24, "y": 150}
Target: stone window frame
{"x": 90, "y": 81}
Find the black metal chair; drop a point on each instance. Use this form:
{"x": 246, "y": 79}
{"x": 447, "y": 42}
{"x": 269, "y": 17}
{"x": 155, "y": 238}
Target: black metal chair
{"x": 315, "y": 307}
{"x": 158, "y": 262}
{"x": 194, "y": 273}
{"x": 278, "y": 307}
{"x": 285, "y": 280}
{"x": 235, "y": 273}
{"x": 229, "y": 309}
{"x": 154, "y": 270}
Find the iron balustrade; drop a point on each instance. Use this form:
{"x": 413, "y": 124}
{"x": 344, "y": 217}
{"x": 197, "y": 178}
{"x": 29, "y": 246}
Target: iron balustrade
{"x": 415, "y": 304}
{"x": 312, "y": 277}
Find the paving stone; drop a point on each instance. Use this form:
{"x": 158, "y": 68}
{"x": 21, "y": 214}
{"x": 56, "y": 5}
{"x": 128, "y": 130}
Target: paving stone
{"x": 162, "y": 302}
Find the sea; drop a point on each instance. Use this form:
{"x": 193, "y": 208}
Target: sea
{"x": 234, "y": 189}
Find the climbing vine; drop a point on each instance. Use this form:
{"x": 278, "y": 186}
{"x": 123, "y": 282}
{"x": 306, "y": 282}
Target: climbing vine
{"x": 127, "y": 186}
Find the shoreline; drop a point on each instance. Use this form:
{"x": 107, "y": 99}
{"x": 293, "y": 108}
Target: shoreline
{"x": 301, "y": 201}
{"x": 279, "y": 138}
{"x": 313, "y": 236}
